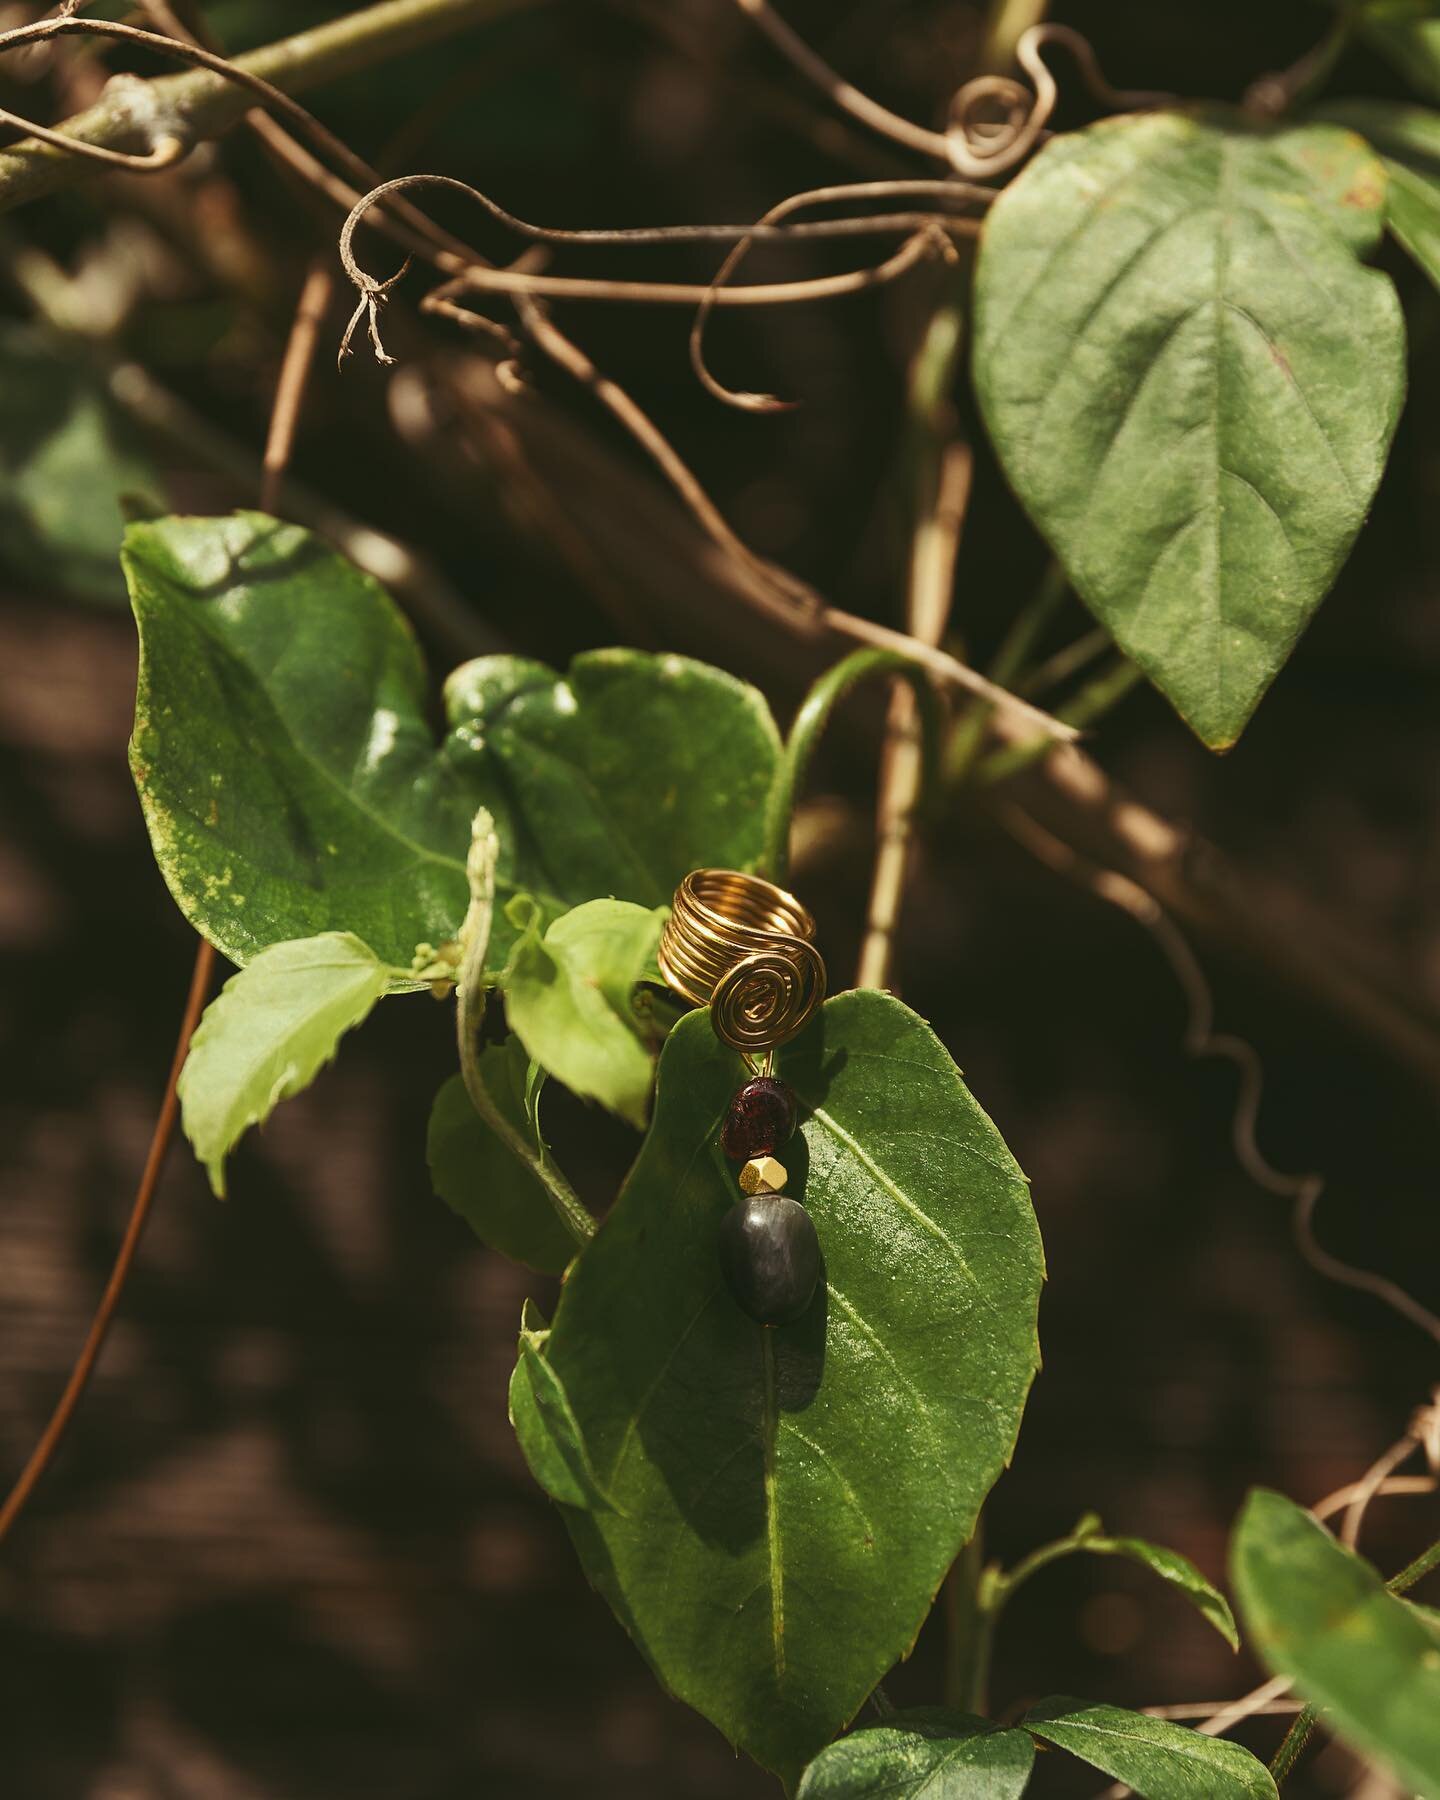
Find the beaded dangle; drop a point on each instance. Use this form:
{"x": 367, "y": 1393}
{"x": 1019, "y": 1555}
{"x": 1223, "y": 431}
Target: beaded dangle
{"x": 743, "y": 947}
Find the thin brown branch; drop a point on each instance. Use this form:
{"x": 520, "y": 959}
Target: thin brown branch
{"x": 926, "y": 239}
{"x": 1201, "y": 1040}
{"x": 789, "y": 600}
{"x": 49, "y": 1442}
{"x": 847, "y": 97}
{"x": 947, "y": 466}
{"x": 299, "y": 359}
{"x": 849, "y": 192}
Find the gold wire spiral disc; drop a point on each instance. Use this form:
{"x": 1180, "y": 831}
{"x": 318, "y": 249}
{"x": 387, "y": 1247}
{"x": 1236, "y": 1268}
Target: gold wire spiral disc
{"x": 743, "y": 947}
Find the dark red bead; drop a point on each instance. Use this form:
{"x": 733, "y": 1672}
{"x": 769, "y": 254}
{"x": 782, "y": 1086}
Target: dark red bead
{"x": 760, "y": 1119}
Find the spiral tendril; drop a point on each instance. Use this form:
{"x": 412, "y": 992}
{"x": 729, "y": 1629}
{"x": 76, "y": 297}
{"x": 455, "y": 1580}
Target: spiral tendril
{"x": 743, "y": 947}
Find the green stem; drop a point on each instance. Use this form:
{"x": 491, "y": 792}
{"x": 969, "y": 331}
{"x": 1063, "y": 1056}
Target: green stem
{"x": 1415, "y": 1571}
{"x": 970, "y": 1629}
{"x": 1293, "y": 1743}
{"x": 810, "y": 723}
{"x": 469, "y": 1009}
{"x": 204, "y": 104}
{"x": 1014, "y": 652}
{"x": 1092, "y": 702}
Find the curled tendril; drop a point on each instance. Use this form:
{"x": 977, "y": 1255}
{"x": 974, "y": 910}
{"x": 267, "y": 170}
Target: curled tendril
{"x": 996, "y": 121}
{"x": 769, "y": 997}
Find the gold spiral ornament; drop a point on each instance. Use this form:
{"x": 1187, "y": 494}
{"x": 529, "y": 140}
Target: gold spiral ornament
{"x": 743, "y": 947}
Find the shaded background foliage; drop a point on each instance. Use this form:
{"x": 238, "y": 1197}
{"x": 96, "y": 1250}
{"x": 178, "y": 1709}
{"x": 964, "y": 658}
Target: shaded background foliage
{"x": 291, "y": 1548}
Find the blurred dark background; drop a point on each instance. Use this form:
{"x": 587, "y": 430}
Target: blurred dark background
{"x": 290, "y": 1551}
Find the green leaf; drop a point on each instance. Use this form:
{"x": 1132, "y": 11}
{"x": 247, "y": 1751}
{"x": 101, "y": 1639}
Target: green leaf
{"x": 569, "y": 998}
{"x": 1193, "y": 383}
{"x": 545, "y": 1426}
{"x": 1409, "y": 137}
{"x": 793, "y": 1497}
{"x": 923, "y": 1755}
{"x": 292, "y": 785}
{"x": 1406, "y": 31}
{"x": 1172, "y": 1567}
{"x": 477, "y": 1171}
{"x": 1322, "y": 1616}
{"x": 1159, "y": 1760}
{"x": 268, "y": 1033}
{"x": 68, "y": 458}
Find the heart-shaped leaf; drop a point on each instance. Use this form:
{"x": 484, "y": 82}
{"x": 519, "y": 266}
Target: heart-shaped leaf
{"x": 292, "y": 785}
{"x": 495, "y": 1181}
{"x": 1322, "y": 1616}
{"x": 268, "y": 1033}
{"x": 923, "y": 1755}
{"x": 789, "y": 1499}
{"x": 1192, "y": 382}
{"x": 569, "y": 998}
{"x": 1159, "y": 1760}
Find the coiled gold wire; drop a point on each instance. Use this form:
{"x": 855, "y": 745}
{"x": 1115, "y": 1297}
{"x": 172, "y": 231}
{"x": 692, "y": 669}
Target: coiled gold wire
{"x": 742, "y": 946}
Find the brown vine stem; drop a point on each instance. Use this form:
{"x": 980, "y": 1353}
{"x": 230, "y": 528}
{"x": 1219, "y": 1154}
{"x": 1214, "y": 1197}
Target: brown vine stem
{"x": 208, "y": 100}
{"x": 49, "y": 1442}
{"x": 784, "y": 599}
{"x": 849, "y": 99}
{"x": 1202, "y": 1040}
{"x": 295, "y": 367}
{"x": 944, "y": 469}
{"x": 289, "y": 392}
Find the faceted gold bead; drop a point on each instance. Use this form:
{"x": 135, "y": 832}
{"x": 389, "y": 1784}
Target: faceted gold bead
{"x": 762, "y": 1175}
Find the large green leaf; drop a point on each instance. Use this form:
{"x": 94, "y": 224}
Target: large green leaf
{"x": 292, "y": 784}
{"x": 1160, "y": 1761}
{"x": 923, "y": 1755}
{"x": 1321, "y": 1615}
{"x": 68, "y": 458}
{"x": 268, "y": 1033}
{"x": 1192, "y": 382}
{"x": 494, "y": 1180}
{"x": 569, "y": 998}
{"x": 790, "y": 1499}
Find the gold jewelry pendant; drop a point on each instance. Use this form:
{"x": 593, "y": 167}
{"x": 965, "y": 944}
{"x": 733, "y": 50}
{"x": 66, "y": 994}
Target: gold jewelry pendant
{"x": 744, "y": 947}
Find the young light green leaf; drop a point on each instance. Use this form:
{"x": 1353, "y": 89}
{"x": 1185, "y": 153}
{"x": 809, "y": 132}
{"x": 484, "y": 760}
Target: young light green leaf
{"x": 291, "y": 783}
{"x": 69, "y": 458}
{"x": 783, "y": 1532}
{"x": 1321, "y": 1615}
{"x": 545, "y": 1426}
{"x": 569, "y": 998}
{"x": 1170, "y": 1566}
{"x": 501, "y": 1194}
{"x": 1160, "y": 1761}
{"x": 1193, "y": 382}
{"x": 268, "y": 1033}
{"x": 926, "y": 1754}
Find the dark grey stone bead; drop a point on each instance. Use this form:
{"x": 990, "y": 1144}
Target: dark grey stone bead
{"x": 771, "y": 1257}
